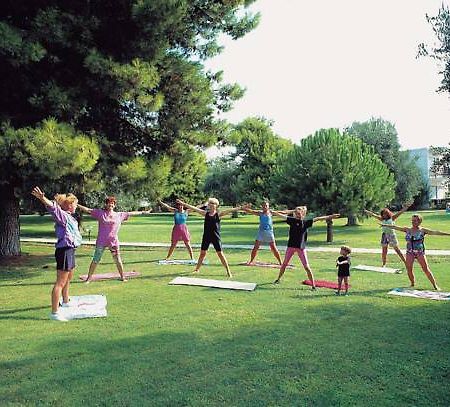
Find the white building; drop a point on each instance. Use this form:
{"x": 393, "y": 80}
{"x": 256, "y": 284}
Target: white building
{"x": 438, "y": 188}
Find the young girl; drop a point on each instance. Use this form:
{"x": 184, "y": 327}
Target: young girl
{"x": 180, "y": 230}
{"x": 68, "y": 237}
{"x": 265, "y": 232}
{"x": 211, "y": 231}
{"x": 343, "y": 264}
{"x": 415, "y": 248}
{"x": 298, "y": 234}
{"x": 388, "y": 237}
{"x": 109, "y": 223}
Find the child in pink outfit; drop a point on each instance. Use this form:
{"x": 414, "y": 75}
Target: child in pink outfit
{"x": 109, "y": 223}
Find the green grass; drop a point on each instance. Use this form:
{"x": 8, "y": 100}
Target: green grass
{"x": 157, "y": 228}
{"x": 167, "y": 345}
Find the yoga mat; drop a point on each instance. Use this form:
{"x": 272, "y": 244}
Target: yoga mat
{"x": 378, "y": 269}
{"x": 203, "y": 282}
{"x": 170, "y": 262}
{"x": 85, "y": 306}
{"x": 324, "y": 284}
{"x": 428, "y": 295}
{"x": 110, "y": 276}
{"x": 262, "y": 264}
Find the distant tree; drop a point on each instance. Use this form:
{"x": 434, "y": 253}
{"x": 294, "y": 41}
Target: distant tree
{"x": 333, "y": 173}
{"x": 382, "y": 135}
{"x": 441, "y": 163}
{"x": 220, "y": 180}
{"x": 257, "y": 153}
{"x": 441, "y": 50}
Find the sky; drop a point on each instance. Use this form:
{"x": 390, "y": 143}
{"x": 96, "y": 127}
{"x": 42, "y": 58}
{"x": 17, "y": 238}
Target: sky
{"x": 321, "y": 64}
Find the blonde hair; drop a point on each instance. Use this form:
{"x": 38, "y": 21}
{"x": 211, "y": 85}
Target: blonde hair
{"x": 302, "y": 208}
{"x": 416, "y": 215}
{"x": 63, "y": 200}
{"x": 213, "y": 201}
{"x": 347, "y": 249}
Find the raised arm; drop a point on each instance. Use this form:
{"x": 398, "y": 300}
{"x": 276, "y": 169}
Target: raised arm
{"x": 139, "y": 212}
{"x": 227, "y": 211}
{"x": 376, "y": 216}
{"x": 435, "y": 232}
{"x": 36, "y": 192}
{"x": 194, "y": 208}
{"x": 248, "y": 209}
{"x": 168, "y": 207}
{"x": 399, "y": 228}
{"x": 405, "y": 208}
{"x": 327, "y": 217}
{"x": 85, "y": 209}
{"x": 281, "y": 214}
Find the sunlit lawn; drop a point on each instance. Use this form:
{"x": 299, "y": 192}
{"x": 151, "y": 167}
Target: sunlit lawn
{"x": 167, "y": 345}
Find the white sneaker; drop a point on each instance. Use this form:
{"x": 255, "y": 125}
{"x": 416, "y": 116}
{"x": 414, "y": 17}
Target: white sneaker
{"x": 58, "y": 317}
{"x": 66, "y": 304}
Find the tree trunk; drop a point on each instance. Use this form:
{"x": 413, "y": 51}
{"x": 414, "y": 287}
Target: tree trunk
{"x": 330, "y": 231}
{"x": 352, "y": 220}
{"x": 9, "y": 222}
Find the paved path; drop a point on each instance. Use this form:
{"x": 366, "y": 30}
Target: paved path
{"x": 236, "y": 246}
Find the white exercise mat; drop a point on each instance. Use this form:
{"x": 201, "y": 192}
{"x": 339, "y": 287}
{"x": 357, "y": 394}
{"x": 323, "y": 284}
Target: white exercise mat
{"x": 378, "y": 269}
{"x": 85, "y": 306}
{"x": 428, "y": 295}
{"x": 204, "y": 282}
{"x": 170, "y": 262}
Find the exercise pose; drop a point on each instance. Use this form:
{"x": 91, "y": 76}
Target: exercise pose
{"x": 265, "y": 231}
{"x": 180, "y": 230}
{"x": 298, "y": 235}
{"x": 109, "y": 223}
{"x": 388, "y": 236}
{"x": 211, "y": 231}
{"x": 68, "y": 238}
{"x": 415, "y": 247}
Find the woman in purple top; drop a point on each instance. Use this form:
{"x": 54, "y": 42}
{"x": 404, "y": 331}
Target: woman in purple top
{"x": 68, "y": 239}
{"x": 109, "y": 223}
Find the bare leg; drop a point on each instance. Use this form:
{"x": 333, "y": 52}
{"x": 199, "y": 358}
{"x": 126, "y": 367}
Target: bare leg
{"x": 171, "y": 249}
{"x": 400, "y": 254}
{"x": 119, "y": 265}
{"x": 276, "y": 253}
{"x": 409, "y": 268}
{"x": 310, "y": 275}
{"x": 254, "y": 251}
{"x": 61, "y": 281}
{"x": 189, "y": 248}
{"x": 339, "y": 285}
{"x": 92, "y": 268}
{"x": 224, "y": 261}
{"x": 426, "y": 269}
{"x": 200, "y": 261}
{"x": 384, "y": 250}
{"x": 65, "y": 290}
{"x": 346, "y": 284}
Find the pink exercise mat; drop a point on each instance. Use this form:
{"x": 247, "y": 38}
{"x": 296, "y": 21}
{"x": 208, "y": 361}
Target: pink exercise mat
{"x": 110, "y": 276}
{"x": 325, "y": 284}
{"x": 263, "y": 264}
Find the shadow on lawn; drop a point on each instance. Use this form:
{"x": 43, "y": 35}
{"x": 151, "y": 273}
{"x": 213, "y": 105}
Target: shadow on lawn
{"x": 289, "y": 358}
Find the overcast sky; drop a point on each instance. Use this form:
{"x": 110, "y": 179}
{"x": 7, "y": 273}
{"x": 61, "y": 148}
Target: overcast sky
{"x": 320, "y": 64}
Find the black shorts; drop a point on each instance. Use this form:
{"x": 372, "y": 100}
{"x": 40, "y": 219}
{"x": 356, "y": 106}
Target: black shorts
{"x": 344, "y": 273}
{"x": 65, "y": 258}
{"x": 207, "y": 240}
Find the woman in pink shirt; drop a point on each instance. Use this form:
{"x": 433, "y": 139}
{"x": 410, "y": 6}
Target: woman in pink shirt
{"x": 109, "y": 223}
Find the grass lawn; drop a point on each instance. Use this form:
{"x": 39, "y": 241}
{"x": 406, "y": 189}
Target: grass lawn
{"x": 157, "y": 228}
{"x": 167, "y": 345}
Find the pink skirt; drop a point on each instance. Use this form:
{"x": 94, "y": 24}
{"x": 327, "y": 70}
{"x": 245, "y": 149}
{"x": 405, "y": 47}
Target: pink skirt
{"x": 180, "y": 232}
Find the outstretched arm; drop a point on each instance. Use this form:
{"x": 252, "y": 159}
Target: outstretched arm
{"x": 327, "y": 217}
{"x": 405, "y": 208}
{"x": 168, "y": 207}
{"x": 435, "y": 232}
{"x": 85, "y": 209}
{"x": 376, "y": 216}
{"x": 401, "y": 229}
{"x": 247, "y": 209}
{"x": 139, "y": 212}
{"x": 227, "y": 211}
{"x": 194, "y": 208}
{"x": 39, "y": 194}
{"x": 281, "y": 214}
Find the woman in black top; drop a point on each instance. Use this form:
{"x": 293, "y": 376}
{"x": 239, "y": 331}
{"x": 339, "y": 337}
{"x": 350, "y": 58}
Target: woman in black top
{"x": 211, "y": 231}
{"x": 298, "y": 235}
